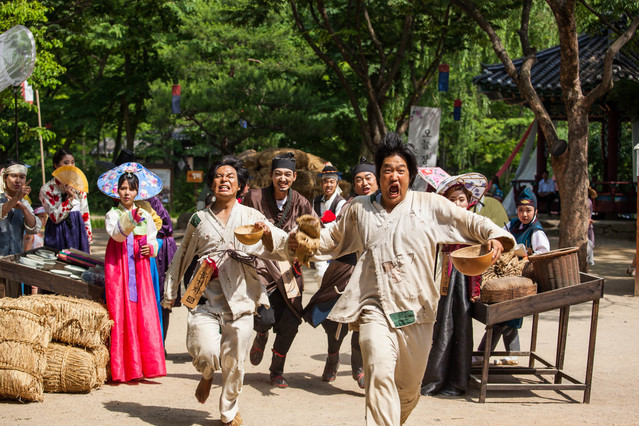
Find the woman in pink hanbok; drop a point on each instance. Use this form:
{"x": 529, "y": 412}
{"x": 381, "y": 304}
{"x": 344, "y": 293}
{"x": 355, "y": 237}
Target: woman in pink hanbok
{"x": 137, "y": 350}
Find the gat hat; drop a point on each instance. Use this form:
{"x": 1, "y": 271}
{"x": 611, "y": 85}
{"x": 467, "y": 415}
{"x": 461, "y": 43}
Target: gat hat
{"x": 283, "y": 161}
{"x": 473, "y": 183}
{"x": 527, "y": 198}
{"x": 39, "y": 210}
{"x": 329, "y": 172}
{"x": 125, "y": 156}
{"x": 363, "y": 166}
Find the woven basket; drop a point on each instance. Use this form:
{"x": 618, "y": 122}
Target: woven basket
{"x": 507, "y": 288}
{"x": 556, "y": 269}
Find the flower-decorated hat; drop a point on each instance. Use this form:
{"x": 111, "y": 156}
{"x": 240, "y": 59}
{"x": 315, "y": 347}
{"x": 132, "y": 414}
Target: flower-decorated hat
{"x": 150, "y": 183}
{"x": 473, "y": 183}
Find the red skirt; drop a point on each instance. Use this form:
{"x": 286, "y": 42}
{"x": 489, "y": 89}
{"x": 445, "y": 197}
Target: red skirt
{"x": 137, "y": 350}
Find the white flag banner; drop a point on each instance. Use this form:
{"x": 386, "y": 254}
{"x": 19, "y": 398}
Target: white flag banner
{"x": 27, "y": 92}
{"x": 423, "y": 133}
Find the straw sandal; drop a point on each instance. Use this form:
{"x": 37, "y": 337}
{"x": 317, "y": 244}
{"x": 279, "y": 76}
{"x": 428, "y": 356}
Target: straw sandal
{"x": 237, "y": 421}
{"x": 509, "y": 360}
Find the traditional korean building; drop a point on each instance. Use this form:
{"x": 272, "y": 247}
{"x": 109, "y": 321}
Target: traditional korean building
{"x": 620, "y": 105}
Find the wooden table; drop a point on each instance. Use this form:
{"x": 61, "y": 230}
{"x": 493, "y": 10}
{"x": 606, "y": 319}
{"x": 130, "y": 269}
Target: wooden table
{"x": 12, "y": 270}
{"x": 590, "y": 289}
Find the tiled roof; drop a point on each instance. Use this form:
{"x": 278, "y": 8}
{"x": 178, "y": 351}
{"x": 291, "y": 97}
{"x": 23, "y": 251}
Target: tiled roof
{"x": 496, "y": 84}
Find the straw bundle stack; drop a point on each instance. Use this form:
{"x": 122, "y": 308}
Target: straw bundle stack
{"x": 39, "y": 307}
{"x": 78, "y": 322}
{"x": 69, "y": 369}
{"x": 24, "y": 336}
{"x": 307, "y": 166}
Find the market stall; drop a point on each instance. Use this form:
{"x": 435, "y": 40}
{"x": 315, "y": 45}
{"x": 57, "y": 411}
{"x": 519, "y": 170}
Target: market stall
{"x": 60, "y": 277}
{"x": 590, "y": 289}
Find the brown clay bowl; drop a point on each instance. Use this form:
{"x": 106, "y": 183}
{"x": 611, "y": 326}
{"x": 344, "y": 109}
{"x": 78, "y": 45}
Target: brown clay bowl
{"x": 247, "y": 236}
{"x": 473, "y": 260}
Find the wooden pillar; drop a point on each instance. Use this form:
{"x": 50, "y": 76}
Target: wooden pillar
{"x": 541, "y": 154}
{"x": 612, "y": 159}
{"x": 635, "y": 144}
{"x": 604, "y": 152}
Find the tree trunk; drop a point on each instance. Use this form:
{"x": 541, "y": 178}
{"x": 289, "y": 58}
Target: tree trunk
{"x": 118, "y": 141}
{"x": 571, "y": 170}
{"x": 126, "y": 118}
{"x": 376, "y": 129}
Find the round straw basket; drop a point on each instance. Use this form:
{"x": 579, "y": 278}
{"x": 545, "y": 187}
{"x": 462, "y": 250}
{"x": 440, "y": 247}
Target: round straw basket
{"x": 556, "y": 269}
{"x": 507, "y": 288}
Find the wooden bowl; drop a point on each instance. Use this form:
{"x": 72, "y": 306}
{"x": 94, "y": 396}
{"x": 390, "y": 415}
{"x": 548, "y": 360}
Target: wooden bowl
{"x": 247, "y": 236}
{"x": 473, "y": 260}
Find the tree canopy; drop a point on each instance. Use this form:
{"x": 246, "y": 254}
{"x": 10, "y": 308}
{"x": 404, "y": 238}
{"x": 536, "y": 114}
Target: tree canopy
{"x": 326, "y": 77}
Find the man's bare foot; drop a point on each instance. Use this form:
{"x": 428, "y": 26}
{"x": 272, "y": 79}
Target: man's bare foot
{"x": 203, "y": 390}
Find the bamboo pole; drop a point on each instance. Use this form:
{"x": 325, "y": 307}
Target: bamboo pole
{"x": 637, "y": 236}
{"x": 40, "y": 136}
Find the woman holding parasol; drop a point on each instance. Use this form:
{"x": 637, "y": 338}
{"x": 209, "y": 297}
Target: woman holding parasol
{"x": 64, "y": 198}
{"x": 137, "y": 350}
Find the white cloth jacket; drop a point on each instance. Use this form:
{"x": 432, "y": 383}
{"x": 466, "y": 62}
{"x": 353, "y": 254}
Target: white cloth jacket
{"x": 397, "y": 266}
{"x": 205, "y": 236}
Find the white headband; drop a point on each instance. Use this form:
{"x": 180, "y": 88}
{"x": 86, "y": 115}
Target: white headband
{"x": 14, "y": 168}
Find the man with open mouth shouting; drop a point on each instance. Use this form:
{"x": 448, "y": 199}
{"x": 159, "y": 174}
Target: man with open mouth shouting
{"x": 392, "y": 297}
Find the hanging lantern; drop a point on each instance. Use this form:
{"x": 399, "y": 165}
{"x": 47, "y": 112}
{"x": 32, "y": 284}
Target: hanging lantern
{"x": 175, "y": 102}
{"x": 457, "y": 109}
{"x": 443, "y": 77}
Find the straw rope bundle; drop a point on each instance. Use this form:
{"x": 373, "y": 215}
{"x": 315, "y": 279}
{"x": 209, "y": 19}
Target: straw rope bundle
{"x": 307, "y": 237}
{"x": 102, "y": 357}
{"x": 24, "y": 335}
{"x": 69, "y": 369}
{"x": 78, "y": 322}
{"x": 21, "y": 325}
{"x": 39, "y": 307}
{"x": 21, "y": 369}
{"x": 508, "y": 265}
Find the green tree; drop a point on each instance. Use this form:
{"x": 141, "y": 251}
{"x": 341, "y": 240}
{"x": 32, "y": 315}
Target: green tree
{"x": 569, "y": 160}
{"x": 111, "y": 52}
{"x": 382, "y": 54}
{"x": 245, "y": 86}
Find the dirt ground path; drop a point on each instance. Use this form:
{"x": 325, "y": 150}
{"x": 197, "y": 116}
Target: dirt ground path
{"x": 308, "y": 401}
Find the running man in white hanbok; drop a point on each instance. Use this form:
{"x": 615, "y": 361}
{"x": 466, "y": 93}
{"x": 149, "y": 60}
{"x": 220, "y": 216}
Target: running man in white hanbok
{"x": 220, "y": 329}
{"x": 392, "y": 296}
